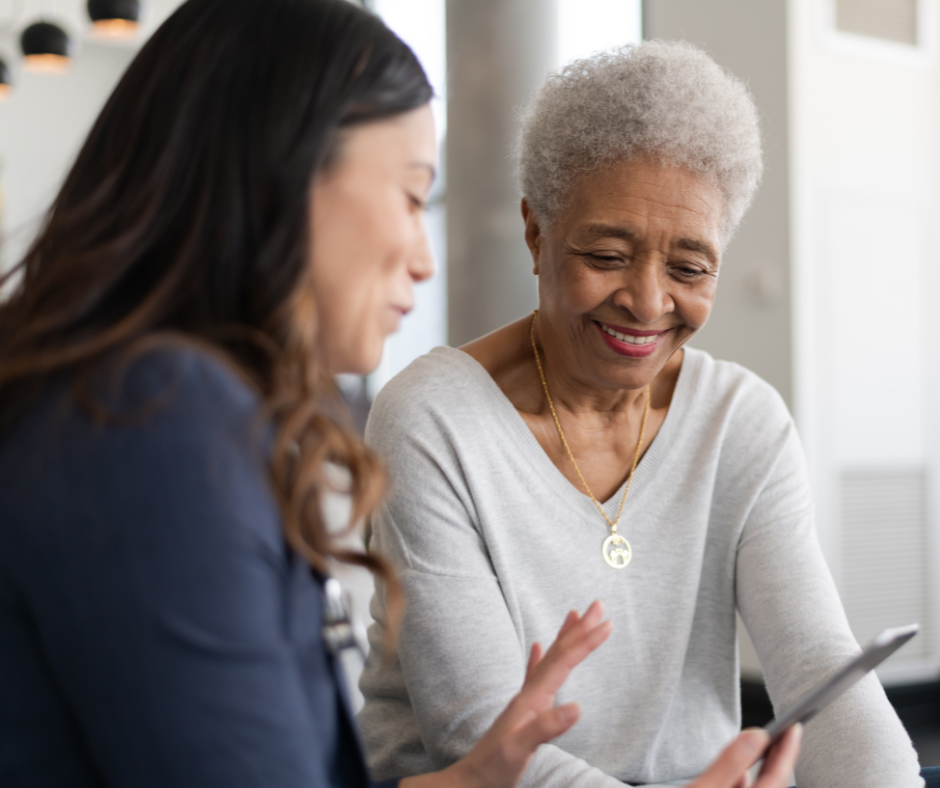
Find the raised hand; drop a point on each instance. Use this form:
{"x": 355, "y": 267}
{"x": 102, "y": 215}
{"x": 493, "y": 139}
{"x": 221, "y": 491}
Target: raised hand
{"x": 531, "y": 718}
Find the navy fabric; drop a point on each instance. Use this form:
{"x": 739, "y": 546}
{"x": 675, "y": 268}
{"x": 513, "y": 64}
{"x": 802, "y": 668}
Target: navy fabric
{"x": 155, "y": 629}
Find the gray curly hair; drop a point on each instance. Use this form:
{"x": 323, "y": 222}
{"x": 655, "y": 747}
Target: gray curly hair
{"x": 662, "y": 100}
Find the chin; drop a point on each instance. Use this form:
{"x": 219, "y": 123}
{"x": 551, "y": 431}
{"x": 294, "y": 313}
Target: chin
{"x": 357, "y": 355}
{"x": 366, "y": 363}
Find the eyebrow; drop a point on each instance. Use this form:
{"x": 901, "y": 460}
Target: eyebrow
{"x": 423, "y": 165}
{"x": 698, "y": 246}
{"x": 610, "y": 231}
{"x": 616, "y": 231}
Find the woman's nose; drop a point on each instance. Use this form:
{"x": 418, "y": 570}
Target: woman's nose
{"x": 645, "y": 293}
{"x": 421, "y": 266}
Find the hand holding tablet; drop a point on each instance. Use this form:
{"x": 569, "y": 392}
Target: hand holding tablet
{"x": 778, "y": 743}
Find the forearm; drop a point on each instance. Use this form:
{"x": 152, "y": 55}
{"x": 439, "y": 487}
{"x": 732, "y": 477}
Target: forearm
{"x": 552, "y": 767}
{"x": 793, "y": 613}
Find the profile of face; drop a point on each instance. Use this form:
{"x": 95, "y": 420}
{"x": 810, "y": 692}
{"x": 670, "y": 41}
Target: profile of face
{"x": 628, "y": 274}
{"x": 369, "y": 243}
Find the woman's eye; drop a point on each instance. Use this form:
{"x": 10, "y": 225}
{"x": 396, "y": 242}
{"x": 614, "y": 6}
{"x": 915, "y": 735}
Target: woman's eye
{"x": 605, "y": 259}
{"x": 417, "y": 203}
{"x": 688, "y": 272}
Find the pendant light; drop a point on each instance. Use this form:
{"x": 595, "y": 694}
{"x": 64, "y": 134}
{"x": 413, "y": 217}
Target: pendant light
{"x": 5, "y": 81}
{"x": 114, "y": 18}
{"x": 46, "y": 47}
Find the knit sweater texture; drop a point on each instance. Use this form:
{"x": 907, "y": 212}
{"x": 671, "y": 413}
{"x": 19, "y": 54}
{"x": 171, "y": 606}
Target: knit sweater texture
{"x": 495, "y": 546}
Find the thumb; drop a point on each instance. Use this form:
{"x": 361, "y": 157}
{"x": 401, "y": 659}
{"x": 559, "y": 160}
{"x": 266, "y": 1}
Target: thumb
{"x": 735, "y": 760}
{"x": 543, "y": 728}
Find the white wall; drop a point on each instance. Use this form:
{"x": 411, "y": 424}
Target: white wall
{"x": 589, "y": 26}
{"x": 46, "y": 118}
{"x": 866, "y": 191}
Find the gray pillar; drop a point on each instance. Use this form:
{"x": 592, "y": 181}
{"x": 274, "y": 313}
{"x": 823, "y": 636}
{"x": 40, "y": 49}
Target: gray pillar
{"x": 751, "y": 321}
{"x": 498, "y": 52}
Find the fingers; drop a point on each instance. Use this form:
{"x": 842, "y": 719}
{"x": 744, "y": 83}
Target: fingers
{"x": 730, "y": 768}
{"x": 570, "y": 649}
{"x": 501, "y": 756}
{"x": 541, "y": 729}
{"x": 535, "y": 656}
{"x": 574, "y": 630}
{"x": 778, "y": 765}
{"x": 531, "y": 719}
{"x": 734, "y": 761}
{"x": 546, "y": 672}
{"x": 571, "y": 619}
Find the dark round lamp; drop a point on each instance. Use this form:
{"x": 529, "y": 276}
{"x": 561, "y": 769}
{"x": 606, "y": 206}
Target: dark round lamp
{"x": 114, "y": 18}
{"x": 45, "y": 48}
{"x": 6, "y": 82}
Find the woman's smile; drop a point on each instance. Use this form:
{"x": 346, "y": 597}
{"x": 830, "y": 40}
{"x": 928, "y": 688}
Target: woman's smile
{"x": 627, "y": 275}
{"x": 396, "y": 313}
{"x": 629, "y": 341}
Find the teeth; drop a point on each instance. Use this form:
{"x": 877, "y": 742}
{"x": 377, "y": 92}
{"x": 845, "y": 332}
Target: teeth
{"x": 628, "y": 339}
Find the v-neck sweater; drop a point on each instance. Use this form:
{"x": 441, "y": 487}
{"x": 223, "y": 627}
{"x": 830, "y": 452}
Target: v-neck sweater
{"x": 494, "y": 546}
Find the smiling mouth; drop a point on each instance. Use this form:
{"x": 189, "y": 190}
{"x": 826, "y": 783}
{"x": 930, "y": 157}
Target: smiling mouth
{"x": 628, "y": 338}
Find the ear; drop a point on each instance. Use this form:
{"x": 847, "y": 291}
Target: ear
{"x": 533, "y": 234}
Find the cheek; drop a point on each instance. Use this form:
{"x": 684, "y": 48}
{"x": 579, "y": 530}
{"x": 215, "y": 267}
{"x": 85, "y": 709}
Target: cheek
{"x": 357, "y": 244}
{"x": 695, "y": 304}
{"x": 573, "y": 286}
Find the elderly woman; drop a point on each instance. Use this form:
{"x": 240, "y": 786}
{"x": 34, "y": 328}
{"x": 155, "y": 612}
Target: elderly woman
{"x": 586, "y": 451}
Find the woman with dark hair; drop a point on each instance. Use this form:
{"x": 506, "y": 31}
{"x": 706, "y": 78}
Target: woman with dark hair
{"x": 243, "y": 222}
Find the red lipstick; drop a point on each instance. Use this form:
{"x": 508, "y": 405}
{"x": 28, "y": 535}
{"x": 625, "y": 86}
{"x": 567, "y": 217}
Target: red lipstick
{"x": 627, "y": 348}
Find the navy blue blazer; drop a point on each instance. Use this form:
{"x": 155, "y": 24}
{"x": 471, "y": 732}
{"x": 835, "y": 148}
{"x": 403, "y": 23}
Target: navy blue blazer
{"x": 155, "y": 629}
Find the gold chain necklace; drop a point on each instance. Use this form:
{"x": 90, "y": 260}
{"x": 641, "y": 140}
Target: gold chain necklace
{"x": 616, "y": 549}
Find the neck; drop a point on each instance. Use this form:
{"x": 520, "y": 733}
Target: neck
{"x": 575, "y": 393}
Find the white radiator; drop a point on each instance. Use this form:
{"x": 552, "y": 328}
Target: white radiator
{"x": 884, "y": 555}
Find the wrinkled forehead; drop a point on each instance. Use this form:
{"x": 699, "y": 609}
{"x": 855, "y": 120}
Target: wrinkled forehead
{"x": 630, "y": 199}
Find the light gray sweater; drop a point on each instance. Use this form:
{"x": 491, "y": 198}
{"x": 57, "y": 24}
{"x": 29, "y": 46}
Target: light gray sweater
{"x": 495, "y": 546}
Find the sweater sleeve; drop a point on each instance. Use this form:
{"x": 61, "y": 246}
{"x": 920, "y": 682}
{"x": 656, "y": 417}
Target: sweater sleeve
{"x": 460, "y": 659}
{"x": 790, "y": 606}
{"x": 183, "y": 635}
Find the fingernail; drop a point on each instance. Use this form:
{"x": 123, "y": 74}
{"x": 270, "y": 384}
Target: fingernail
{"x": 569, "y": 713}
{"x": 753, "y": 742}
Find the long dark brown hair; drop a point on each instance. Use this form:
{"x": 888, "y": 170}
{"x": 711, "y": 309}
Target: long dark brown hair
{"x": 186, "y": 214}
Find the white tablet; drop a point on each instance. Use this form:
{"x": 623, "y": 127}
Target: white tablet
{"x": 876, "y": 652}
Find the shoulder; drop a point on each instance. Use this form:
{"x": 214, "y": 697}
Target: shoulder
{"x": 147, "y": 392}
{"x": 183, "y": 407}
{"x": 177, "y": 381}
{"x": 726, "y": 386}
{"x": 444, "y": 370}
{"x": 179, "y": 459}
{"x": 730, "y": 404}
{"x": 161, "y": 423}
{"x": 445, "y": 388}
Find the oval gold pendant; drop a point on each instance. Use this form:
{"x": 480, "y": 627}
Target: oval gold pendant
{"x": 617, "y": 551}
